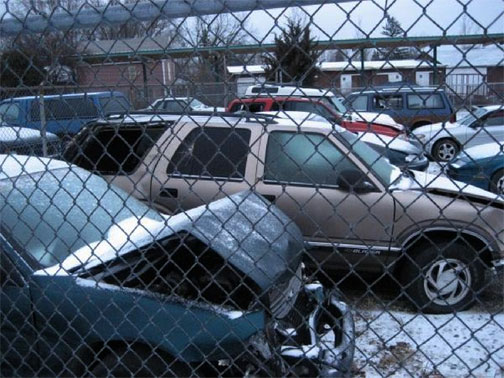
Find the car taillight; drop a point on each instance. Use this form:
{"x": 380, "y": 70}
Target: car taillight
{"x": 453, "y": 118}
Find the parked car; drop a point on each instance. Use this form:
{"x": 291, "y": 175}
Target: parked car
{"x": 443, "y": 141}
{"x": 95, "y": 283}
{"x": 21, "y": 141}
{"x": 65, "y": 114}
{"x": 288, "y": 104}
{"x": 182, "y": 105}
{"x": 356, "y": 211}
{"x": 401, "y": 153}
{"x": 412, "y": 106}
{"x": 481, "y": 166}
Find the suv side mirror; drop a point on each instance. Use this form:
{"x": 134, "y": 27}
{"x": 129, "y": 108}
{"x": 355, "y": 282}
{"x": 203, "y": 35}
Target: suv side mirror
{"x": 355, "y": 181}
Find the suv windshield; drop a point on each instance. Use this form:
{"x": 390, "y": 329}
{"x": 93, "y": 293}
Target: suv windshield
{"x": 379, "y": 165}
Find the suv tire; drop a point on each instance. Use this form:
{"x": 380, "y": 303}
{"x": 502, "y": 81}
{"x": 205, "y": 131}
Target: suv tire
{"x": 442, "y": 278}
{"x": 445, "y": 150}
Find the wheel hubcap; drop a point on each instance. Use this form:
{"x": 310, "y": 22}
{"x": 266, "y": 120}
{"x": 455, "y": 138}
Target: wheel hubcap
{"x": 447, "y": 281}
{"x": 447, "y": 151}
{"x": 500, "y": 185}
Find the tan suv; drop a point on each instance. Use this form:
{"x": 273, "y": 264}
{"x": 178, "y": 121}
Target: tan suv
{"x": 356, "y": 210}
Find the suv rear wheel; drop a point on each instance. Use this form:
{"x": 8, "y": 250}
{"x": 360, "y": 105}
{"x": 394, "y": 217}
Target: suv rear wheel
{"x": 445, "y": 150}
{"x": 442, "y": 278}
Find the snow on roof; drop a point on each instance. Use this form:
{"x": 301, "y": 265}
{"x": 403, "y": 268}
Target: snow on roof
{"x": 16, "y": 165}
{"x": 342, "y": 66}
{"x": 488, "y": 56}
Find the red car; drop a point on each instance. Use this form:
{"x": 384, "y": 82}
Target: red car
{"x": 300, "y": 104}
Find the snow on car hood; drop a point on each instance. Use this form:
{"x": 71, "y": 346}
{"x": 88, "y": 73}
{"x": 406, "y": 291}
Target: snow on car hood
{"x": 443, "y": 185}
{"x": 253, "y": 235}
{"x": 382, "y": 119}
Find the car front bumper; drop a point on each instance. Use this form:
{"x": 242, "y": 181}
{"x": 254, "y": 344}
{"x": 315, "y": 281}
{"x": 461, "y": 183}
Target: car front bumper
{"x": 316, "y": 339}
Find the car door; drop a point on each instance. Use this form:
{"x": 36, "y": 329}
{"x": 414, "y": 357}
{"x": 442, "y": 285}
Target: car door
{"x": 488, "y": 130}
{"x": 200, "y": 164}
{"x": 17, "y": 333}
{"x": 301, "y": 174}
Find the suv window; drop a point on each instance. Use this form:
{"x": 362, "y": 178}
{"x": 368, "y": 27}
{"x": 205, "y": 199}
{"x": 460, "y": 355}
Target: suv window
{"x": 388, "y": 101}
{"x": 359, "y": 103}
{"x": 304, "y": 159}
{"x": 212, "y": 153}
{"x": 425, "y": 101}
{"x": 64, "y": 108}
{"x": 111, "y": 150}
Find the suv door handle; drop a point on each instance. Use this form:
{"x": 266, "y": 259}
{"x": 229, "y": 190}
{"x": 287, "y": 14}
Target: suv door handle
{"x": 168, "y": 193}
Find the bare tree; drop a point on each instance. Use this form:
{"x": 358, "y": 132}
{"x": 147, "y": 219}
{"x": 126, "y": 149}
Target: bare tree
{"x": 214, "y": 31}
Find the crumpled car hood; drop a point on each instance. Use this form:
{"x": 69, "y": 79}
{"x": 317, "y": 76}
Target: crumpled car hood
{"x": 244, "y": 229}
{"x": 444, "y": 185}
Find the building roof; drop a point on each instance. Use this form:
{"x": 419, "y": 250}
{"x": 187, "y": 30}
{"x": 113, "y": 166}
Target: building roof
{"x": 487, "y": 56}
{"x": 343, "y": 66}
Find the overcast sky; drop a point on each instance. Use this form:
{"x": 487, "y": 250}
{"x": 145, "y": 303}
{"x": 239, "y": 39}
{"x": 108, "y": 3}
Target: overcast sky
{"x": 342, "y": 21}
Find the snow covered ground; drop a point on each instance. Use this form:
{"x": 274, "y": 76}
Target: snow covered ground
{"x": 400, "y": 343}
{"x": 393, "y": 340}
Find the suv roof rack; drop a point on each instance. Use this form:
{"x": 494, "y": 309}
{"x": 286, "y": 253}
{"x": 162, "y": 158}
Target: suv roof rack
{"x": 244, "y": 114}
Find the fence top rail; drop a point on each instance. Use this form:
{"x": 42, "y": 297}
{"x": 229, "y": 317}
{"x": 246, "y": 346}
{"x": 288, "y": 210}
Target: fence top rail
{"x": 91, "y": 17}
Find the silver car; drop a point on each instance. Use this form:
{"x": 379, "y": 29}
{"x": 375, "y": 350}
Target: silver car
{"x": 444, "y": 140}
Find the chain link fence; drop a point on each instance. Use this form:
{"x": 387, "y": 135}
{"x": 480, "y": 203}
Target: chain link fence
{"x": 251, "y": 188}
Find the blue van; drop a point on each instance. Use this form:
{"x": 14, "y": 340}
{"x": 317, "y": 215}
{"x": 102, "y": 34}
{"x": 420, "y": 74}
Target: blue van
{"x": 412, "y": 105}
{"x": 65, "y": 114}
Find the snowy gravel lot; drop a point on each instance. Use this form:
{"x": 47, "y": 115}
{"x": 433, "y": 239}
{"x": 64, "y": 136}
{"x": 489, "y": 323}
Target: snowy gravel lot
{"x": 394, "y": 340}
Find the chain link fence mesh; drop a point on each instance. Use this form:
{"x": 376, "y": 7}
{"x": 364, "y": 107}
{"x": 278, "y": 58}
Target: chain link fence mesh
{"x": 237, "y": 188}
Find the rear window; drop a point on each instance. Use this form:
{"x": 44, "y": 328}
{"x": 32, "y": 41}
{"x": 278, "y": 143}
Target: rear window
{"x": 111, "y": 150}
{"x": 64, "y": 108}
{"x": 425, "y": 101}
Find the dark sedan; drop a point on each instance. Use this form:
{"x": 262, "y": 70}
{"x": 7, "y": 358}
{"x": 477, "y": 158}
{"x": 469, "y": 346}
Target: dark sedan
{"x": 481, "y": 166}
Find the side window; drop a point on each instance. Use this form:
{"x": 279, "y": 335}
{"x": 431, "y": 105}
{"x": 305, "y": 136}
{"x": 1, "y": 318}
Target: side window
{"x": 176, "y": 106}
{"x": 388, "y": 102}
{"x": 64, "y": 108}
{"x": 212, "y": 152}
{"x": 425, "y": 101}
{"x": 9, "y": 112}
{"x": 236, "y": 107}
{"x": 115, "y": 151}
{"x": 114, "y": 104}
{"x": 304, "y": 159}
{"x": 255, "y": 107}
{"x": 275, "y": 107}
{"x": 359, "y": 103}
{"x": 495, "y": 119}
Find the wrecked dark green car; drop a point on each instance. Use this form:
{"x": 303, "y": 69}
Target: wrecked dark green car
{"x": 94, "y": 282}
